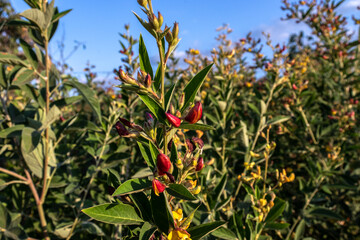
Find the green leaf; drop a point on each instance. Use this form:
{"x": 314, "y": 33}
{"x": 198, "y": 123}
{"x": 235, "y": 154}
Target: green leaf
{"x": 300, "y": 230}
{"x": 220, "y": 188}
{"x": 89, "y": 96}
{"x": 155, "y": 108}
{"x": 114, "y": 213}
{"x": 202, "y": 230}
{"x": 154, "y": 151}
{"x": 276, "y": 210}
{"x": 29, "y": 53}
{"x": 53, "y": 115}
{"x": 254, "y": 108}
{"x": 157, "y": 79}
{"x": 23, "y": 76}
{"x": 3, "y": 78}
{"x": 196, "y": 126}
{"x": 276, "y": 226}
{"x": 161, "y": 211}
{"x": 11, "y": 59}
{"x": 35, "y": 16}
{"x": 193, "y": 86}
{"x": 224, "y": 233}
{"x": 278, "y": 119}
{"x": 66, "y": 101}
{"x": 168, "y": 96}
{"x": 324, "y": 212}
{"x": 145, "y": 152}
{"x": 143, "y": 205}
{"x": 30, "y": 138}
{"x": 132, "y": 186}
{"x": 179, "y": 191}
{"x": 91, "y": 228}
{"x": 57, "y": 16}
{"x": 145, "y": 64}
{"x": 12, "y": 131}
{"x": 146, "y": 231}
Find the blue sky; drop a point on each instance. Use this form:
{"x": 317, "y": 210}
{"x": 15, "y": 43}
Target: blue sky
{"x": 97, "y": 24}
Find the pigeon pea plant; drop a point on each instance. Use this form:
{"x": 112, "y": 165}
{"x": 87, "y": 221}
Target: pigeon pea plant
{"x": 173, "y": 158}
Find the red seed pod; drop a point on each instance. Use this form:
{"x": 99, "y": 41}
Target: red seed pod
{"x": 194, "y": 114}
{"x": 200, "y": 164}
{"x": 120, "y": 128}
{"x": 163, "y": 164}
{"x": 175, "y": 121}
{"x": 158, "y": 186}
{"x": 125, "y": 122}
{"x": 171, "y": 177}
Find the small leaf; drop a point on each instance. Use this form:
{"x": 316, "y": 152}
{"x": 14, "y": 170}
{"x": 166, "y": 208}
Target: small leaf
{"x": 324, "y": 212}
{"x": 278, "y": 119}
{"x": 12, "y": 131}
{"x": 89, "y": 95}
{"x": 143, "y": 205}
{"x": 145, "y": 152}
{"x": 224, "y": 233}
{"x": 157, "y": 79}
{"x": 30, "y": 138}
{"x": 202, "y": 230}
{"x": 168, "y": 96}
{"x": 300, "y": 230}
{"x": 220, "y": 188}
{"x": 179, "y": 191}
{"x": 196, "y": 126}
{"x": 114, "y": 213}
{"x": 276, "y": 226}
{"x": 155, "y": 108}
{"x": 57, "y": 16}
{"x": 276, "y": 210}
{"x": 145, "y": 64}
{"x": 23, "y": 76}
{"x": 29, "y": 53}
{"x": 161, "y": 211}
{"x": 146, "y": 231}
{"x": 193, "y": 86}
{"x": 36, "y": 16}
{"x": 11, "y": 59}
{"x": 132, "y": 186}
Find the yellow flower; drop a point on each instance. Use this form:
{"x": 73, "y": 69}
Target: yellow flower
{"x": 178, "y": 234}
{"x": 178, "y": 216}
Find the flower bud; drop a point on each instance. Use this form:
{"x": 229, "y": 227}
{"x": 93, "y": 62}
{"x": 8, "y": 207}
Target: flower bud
{"x": 163, "y": 164}
{"x": 125, "y": 122}
{"x": 190, "y": 145}
{"x": 194, "y": 114}
{"x": 168, "y": 36}
{"x": 158, "y": 186}
{"x": 143, "y": 3}
{"x": 175, "y": 121}
{"x": 161, "y": 19}
{"x": 198, "y": 142}
{"x": 120, "y": 128}
{"x": 182, "y": 100}
{"x": 154, "y": 21}
{"x": 200, "y": 164}
{"x": 147, "y": 81}
{"x": 175, "y": 31}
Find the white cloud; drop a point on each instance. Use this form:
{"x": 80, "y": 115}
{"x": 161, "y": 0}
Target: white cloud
{"x": 179, "y": 54}
{"x": 280, "y": 31}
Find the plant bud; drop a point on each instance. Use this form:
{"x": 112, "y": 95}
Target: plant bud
{"x": 158, "y": 186}
{"x": 175, "y": 31}
{"x": 194, "y": 114}
{"x": 200, "y": 164}
{"x": 125, "y": 122}
{"x": 163, "y": 164}
{"x": 143, "y": 3}
{"x": 171, "y": 177}
{"x": 120, "y": 128}
{"x": 190, "y": 145}
{"x": 161, "y": 19}
{"x": 147, "y": 81}
{"x": 154, "y": 21}
{"x": 182, "y": 100}
{"x": 198, "y": 142}
{"x": 175, "y": 121}
{"x": 168, "y": 36}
